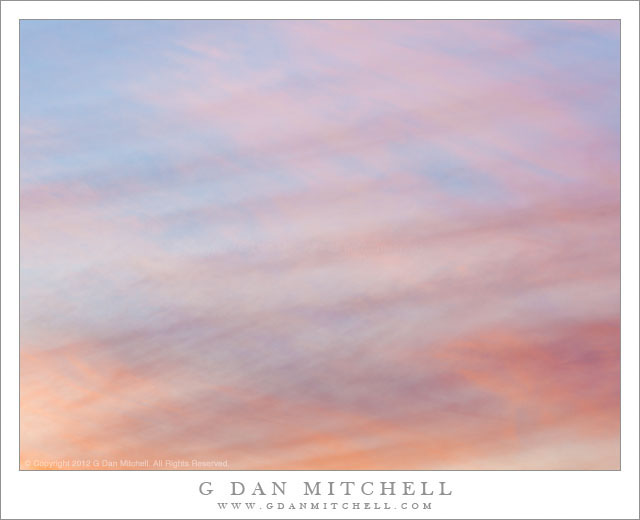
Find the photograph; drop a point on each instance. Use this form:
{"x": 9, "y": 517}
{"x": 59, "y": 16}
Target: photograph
{"x": 369, "y": 244}
{"x": 320, "y": 259}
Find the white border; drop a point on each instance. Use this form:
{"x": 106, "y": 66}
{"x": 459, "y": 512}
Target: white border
{"x": 478, "y": 494}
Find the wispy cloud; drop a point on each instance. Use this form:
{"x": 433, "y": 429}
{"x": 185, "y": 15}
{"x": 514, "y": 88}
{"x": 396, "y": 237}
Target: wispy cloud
{"x": 321, "y": 244}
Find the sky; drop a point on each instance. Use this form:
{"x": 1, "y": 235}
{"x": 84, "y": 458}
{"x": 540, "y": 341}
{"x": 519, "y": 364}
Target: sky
{"x": 321, "y": 244}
